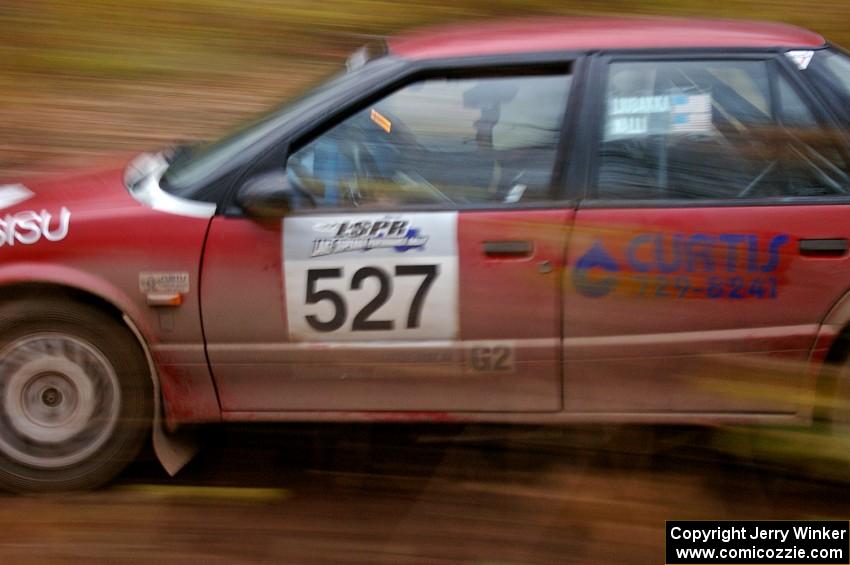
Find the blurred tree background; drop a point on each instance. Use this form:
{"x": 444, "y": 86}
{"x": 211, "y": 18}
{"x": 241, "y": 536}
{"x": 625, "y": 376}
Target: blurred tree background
{"x": 84, "y": 77}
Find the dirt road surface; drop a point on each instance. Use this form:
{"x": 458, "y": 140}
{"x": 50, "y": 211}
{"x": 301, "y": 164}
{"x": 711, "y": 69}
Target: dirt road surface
{"x": 396, "y": 494}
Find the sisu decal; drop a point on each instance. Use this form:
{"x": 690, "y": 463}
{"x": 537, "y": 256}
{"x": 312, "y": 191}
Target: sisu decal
{"x": 729, "y": 265}
{"x": 28, "y": 227}
{"x": 365, "y": 277}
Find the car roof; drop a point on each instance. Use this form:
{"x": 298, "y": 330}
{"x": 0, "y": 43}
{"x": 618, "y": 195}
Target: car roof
{"x": 594, "y": 33}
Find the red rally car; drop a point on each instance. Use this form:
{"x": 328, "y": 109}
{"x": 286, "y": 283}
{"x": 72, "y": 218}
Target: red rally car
{"x": 534, "y": 221}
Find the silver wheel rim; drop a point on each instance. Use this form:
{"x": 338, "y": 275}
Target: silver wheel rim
{"x": 59, "y": 400}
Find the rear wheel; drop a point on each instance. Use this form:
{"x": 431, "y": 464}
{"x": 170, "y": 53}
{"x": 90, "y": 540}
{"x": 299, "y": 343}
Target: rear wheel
{"x": 832, "y": 403}
{"x": 75, "y": 396}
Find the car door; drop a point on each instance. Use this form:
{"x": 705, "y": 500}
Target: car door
{"x": 713, "y": 242}
{"x": 422, "y": 272}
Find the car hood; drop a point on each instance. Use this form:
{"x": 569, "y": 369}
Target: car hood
{"x": 101, "y": 189}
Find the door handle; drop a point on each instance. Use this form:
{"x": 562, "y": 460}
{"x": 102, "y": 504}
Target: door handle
{"x": 838, "y": 246}
{"x": 508, "y": 248}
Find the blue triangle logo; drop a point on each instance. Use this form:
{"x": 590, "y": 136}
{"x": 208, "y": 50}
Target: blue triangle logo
{"x": 592, "y": 285}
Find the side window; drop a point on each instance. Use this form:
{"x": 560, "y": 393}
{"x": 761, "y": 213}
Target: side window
{"x": 440, "y": 141}
{"x": 711, "y": 130}
{"x": 812, "y": 163}
{"x": 830, "y": 71}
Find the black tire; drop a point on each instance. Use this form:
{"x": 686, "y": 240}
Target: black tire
{"x": 75, "y": 396}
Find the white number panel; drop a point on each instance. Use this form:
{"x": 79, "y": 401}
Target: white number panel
{"x": 371, "y": 277}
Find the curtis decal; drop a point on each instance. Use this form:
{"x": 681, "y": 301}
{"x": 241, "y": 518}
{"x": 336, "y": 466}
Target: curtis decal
{"x": 728, "y": 266}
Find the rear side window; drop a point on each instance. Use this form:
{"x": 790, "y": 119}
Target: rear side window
{"x": 711, "y": 130}
{"x": 830, "y": 71}
{"x": 838, "y": 66}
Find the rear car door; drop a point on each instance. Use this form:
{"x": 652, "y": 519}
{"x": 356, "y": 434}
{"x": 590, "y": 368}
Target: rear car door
{"x": 713, "y": 242}
{"x": 423, "y": 272}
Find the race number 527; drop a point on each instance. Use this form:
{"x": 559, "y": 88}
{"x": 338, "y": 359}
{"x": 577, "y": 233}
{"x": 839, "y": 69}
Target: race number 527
{"x": 373, "y": 278}
{"x": 366, "y": 318}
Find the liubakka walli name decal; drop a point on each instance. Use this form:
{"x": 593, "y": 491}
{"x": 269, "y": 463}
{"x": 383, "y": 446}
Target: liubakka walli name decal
{"x": 730, "y": 266}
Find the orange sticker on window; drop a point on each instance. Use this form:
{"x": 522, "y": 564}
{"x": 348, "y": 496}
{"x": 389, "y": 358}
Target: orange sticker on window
{"x": 384, "y": 123}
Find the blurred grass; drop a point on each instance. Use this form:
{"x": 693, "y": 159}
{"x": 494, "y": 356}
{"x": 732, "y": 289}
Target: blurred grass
{"x": 81, "y": 76}
{"x": 137, "y": 37}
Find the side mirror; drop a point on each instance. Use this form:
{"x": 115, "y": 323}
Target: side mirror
{"x": 271, "y": 195}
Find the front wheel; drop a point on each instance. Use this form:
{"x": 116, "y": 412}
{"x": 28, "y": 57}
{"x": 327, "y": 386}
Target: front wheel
{"x": 75, "y": 396}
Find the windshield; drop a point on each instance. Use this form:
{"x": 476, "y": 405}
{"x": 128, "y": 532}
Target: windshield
{"x": 192, "y": 165}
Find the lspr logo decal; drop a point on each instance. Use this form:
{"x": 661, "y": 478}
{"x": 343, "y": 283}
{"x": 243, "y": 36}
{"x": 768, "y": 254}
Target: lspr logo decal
{"x": 364, "y": 235}
{"x": 731, "y": 266}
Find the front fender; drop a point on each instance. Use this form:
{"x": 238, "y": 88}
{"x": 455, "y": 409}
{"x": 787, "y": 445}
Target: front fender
{"x": 172, "y": 451}
{"x": 63, "y": 276}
